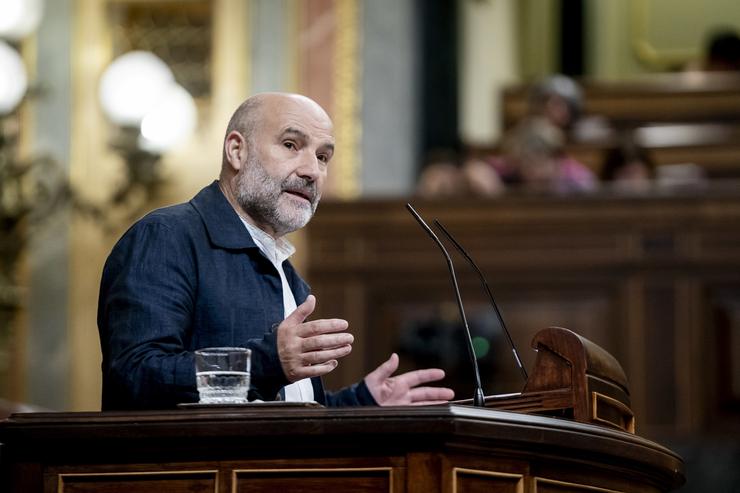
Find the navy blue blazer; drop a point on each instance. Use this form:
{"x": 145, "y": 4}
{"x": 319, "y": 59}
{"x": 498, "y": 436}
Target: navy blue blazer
{"x": 187, "y": 277}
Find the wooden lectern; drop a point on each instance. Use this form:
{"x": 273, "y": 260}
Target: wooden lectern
{"x": 292, "y": 447}
{"x": 573, "y": 378}
{"x": 432, "y": 449}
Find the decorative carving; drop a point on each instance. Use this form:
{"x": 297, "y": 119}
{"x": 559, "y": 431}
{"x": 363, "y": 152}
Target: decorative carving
{"x": 177, "y": 32}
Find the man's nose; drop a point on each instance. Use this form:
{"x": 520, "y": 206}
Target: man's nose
{"x": 310, "y": 167}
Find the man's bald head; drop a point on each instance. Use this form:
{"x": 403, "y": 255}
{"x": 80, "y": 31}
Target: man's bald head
{"x": 250, "y": 113}
{"x": 244, "y": 120}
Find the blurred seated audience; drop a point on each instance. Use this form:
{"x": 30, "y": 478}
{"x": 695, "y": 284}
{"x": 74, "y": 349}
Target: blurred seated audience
{"x": 532, "y": 158}
{"x": 559, "y": 99}
{"x": 441, "y": 176}
{"x": 628, "y": 167}
{"x": 721, "y": 52}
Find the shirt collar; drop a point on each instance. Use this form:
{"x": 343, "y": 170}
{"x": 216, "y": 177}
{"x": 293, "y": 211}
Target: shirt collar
{"x": 277, "y": 251}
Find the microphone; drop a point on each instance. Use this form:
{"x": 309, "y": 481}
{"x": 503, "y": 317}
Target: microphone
{"x": 478, "y": 398}
{"x": 490, "y": 296}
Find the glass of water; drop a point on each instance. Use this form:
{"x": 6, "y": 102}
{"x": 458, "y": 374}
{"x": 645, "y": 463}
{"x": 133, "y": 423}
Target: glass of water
{"x": 222, "y": 374}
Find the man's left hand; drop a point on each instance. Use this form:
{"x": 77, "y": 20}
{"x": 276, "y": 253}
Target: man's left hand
{"x": 404, "y": 389}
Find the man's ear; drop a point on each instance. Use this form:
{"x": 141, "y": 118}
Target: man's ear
{"x": 235, "y": 149}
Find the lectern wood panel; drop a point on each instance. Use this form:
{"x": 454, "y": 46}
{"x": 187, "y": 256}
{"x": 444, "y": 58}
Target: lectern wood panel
{"x": 139, "y": 482}
{"x": 542, "y": 485}
{"x": 360, "y": 480}
{"x": 482, "y": 481}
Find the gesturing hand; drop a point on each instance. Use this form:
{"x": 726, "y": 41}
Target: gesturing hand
{"x": 311, "y": 349}
{"x": 404, "y": 389}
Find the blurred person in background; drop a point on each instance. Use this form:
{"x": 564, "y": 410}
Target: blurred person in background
{"x": 628, "y": 167}
{"x": 534, "y": 157}
{"x": 721, "y": 52}
{"x": 441, "y": 176}
{"x": 444, "y": 177}
{"x": 559, "y": 99}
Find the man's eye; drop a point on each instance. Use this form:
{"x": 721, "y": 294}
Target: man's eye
{"x": 323, "y": 158}
{"x": 289, "y": 145}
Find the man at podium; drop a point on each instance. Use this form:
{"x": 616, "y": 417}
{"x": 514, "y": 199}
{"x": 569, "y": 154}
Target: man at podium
{"x": 215, "y": 272}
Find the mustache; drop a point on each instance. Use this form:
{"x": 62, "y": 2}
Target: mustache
{"x": 301, "y": 185}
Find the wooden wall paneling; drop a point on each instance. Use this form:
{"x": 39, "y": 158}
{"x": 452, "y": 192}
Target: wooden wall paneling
{"x": 28, "y": 476}
{"x": 225, "y": 477}
{"x": 359, "y": 479}
{"x": 554, "y": 476}
{"x": 691, "y": 349}
{"x": 358, "y": 305}
{"x": 298, "y": 473}
{"x": 585, "y": 307}
{"x": 722, "y": 341}
{"x": 635, "y": 360}
{"x": 402, "y": 312}
{"x": 474, "y": 481}
{"x": 343, "y": 299}
{"x": 424, "y": 472}
{"x": 661, "y": 392}
{"x": 549, "y": 472}
{"x": 463, "y": 472}
{"x": 717, "y": 244}
{"x": 139, "y": 482}
{"x": 421, "y": 322}
{"x": 543, "y": 485}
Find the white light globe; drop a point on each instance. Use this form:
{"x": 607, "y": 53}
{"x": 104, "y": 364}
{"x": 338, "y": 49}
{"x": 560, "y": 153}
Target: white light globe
{"x": 13, "y": 79}
{"x": 18, "y": 18}
{"x": 132, "y": 85}
{"x": 171, "y": 121}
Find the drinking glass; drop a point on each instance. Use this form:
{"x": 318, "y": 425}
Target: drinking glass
{"x": 222, "y": 374}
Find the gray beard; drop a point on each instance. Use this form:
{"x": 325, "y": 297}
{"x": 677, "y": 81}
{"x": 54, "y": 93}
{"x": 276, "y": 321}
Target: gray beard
{"x": 259, "y": 195}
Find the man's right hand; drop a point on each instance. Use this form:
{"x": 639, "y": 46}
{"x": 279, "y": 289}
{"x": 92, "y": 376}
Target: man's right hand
{"x": 311, "y": 349}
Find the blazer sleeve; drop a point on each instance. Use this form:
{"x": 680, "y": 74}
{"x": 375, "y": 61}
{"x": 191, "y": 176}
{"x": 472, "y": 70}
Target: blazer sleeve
{"x": 354, "y": 395}
{"x": 145, "y": 309}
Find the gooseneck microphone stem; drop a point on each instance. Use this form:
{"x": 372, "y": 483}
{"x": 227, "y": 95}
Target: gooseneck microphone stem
{"x": 478, "y": 398}
{"x": 490, "y": 296}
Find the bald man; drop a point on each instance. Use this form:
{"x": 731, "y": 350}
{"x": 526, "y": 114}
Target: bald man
{"x": 215, "y": 272}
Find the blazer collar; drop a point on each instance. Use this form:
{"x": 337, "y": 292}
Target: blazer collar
{"x": 224, "y": 227}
